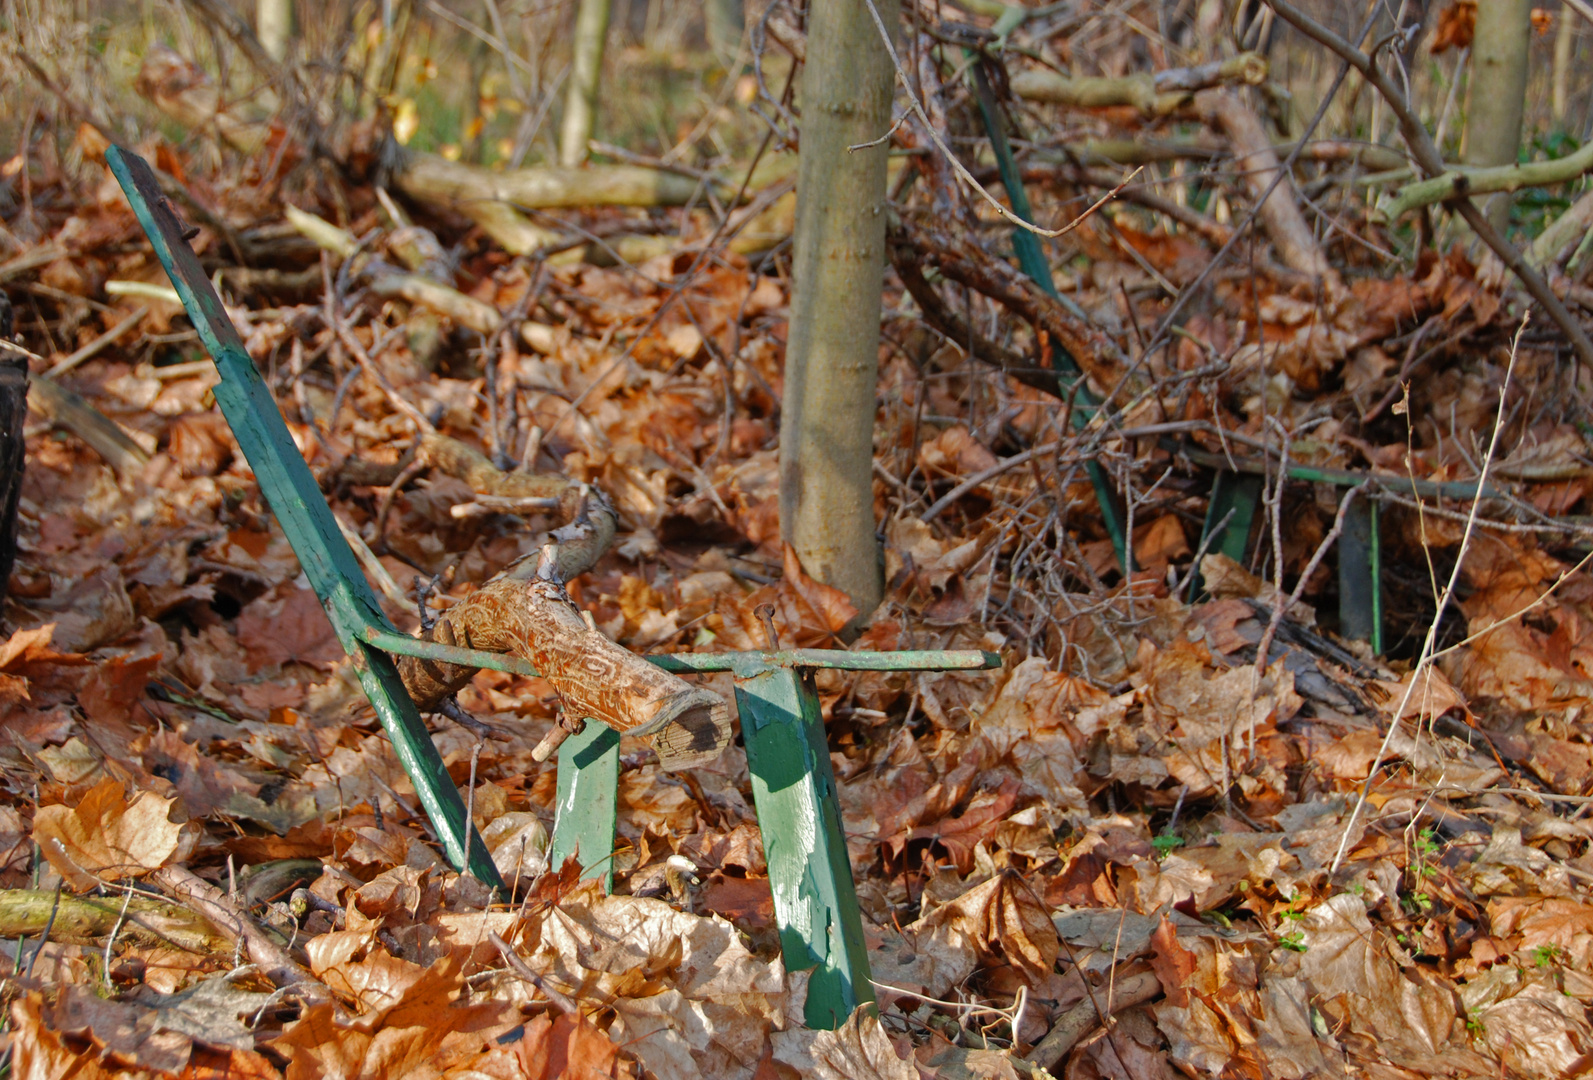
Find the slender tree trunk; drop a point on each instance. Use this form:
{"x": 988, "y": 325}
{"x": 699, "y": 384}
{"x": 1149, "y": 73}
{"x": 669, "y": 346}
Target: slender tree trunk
{"x": 1564, "y": 55}
{"x": 724, "y": 22}
{"x": 1499, "y": 87}
{"x": 832, "y": 359}
{"x": 586, "y": 71}
{"x": 273, "y": 20}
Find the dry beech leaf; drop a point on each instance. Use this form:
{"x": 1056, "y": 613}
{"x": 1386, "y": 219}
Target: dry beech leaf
{"x": 1172, "y": 963}
{"x": 858, "y": 1050}
{"x": 40, "y": 1052}
{"x": 830, "y": 604}
{"x": 107, "y": 838}
{"x": 566, "y": 1046}
{"x": 689, "y": 999}
{"x": 1001, "y": 918}
{"x": 411, "y": 1021}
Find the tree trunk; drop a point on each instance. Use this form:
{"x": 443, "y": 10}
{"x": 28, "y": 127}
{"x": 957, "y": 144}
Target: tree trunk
{"x": 1499, "y": 86}
{"x": 1564, "y": 55}
{"x": 725, "y": 23}
{"x": 586, "y": 71}
{"x": 832, "y": 359}
{"x": 273, "y": 20}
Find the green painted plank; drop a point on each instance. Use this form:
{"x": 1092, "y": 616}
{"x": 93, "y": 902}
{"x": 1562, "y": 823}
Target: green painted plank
{"x": 296, "y": 500}
{"x": 1360, "y": 574}
{"x": 391, "y": 641}
{"x": 815, "y": 899}
{"x": 1230, "y": 491}
{"x": 588, "y": 806}
{"x": 1464, "y": 490}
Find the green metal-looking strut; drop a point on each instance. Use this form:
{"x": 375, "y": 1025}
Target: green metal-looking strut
{"x": 296, "y": 500}
{"x": 1032, "y": 260}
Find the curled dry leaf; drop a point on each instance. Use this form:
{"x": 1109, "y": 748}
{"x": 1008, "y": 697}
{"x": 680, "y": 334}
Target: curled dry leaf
{"x": 106, "y": 837}
{"x": 830, "y": 604}
{"x": 412, "y": 1022}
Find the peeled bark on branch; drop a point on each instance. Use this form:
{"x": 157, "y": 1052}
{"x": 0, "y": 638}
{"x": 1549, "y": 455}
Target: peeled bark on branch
{"x": 387, "y": 282}
{"x": 1153, "y": 94}
{"x": 1257, "y": 163}
{"x": 441, "y": 182}
{"x": 1561, "y": 240}
{"x": 595, "y": 678}
{"x": 527, "y": 613}
{"x": 186, "y": 94}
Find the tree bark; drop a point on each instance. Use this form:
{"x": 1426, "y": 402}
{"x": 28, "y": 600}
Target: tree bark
{"x": 89, "y": 920}
{"x": 273, "y": 19}
{"x": 586, "y": 71}
{"x": 1499, "y": 86}
{"x": 1564, "y": 54}
{"x": 832, "y": 359}
{"x": 1161, "y": 93}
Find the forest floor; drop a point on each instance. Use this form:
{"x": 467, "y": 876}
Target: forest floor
{"x": 1332, "y": 863}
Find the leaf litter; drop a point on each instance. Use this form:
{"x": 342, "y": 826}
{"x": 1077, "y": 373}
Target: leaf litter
{"x": 1131, "y": 802}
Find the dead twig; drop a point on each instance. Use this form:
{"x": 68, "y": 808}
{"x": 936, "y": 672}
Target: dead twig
{"x": 272, "y": 959}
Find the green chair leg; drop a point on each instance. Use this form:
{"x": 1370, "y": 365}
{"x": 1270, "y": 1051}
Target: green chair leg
{"x": 1234, "y": 496}
{"x": 290, "y": 489}
{"x": 1360, "y": 574}
{"x": 583, "y": 822}
{"x": 815, "y": 899}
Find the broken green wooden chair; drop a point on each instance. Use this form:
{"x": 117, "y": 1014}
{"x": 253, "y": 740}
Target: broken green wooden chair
{"x": 810, "y": 876}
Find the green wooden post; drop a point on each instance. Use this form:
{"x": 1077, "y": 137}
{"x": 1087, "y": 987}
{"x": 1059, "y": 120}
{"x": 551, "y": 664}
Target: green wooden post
{"x": 793, "y": 785}
{"x": 1360, "y": 573}
{"x": 584, "y": 819}
{"x": 1235, "y": 492}
{"x": 296, "y": 500}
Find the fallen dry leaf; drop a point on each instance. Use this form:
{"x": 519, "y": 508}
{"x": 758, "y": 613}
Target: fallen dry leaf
{"x": 106, "y": 837}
